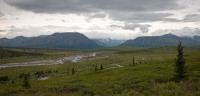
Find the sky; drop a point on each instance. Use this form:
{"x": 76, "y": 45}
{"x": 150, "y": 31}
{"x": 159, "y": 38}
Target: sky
{"x": 100, "y": 19}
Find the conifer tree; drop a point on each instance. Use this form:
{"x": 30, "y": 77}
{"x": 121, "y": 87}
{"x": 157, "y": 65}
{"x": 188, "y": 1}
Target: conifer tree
{"x": 133, "y": 61}
{"x": 73, "y": 71}
{"x": 180, "y": 71}
{"x": 101, "y": 67}
{"x": 26, "y": 83}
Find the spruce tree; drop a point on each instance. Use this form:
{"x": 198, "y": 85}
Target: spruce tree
{"x": 73, "y": 71}
{"x": 26, "y": 83}
{"x": 101, "y": 67}
{"x": 180, "y": 71}
{"x": 133, "y": 61}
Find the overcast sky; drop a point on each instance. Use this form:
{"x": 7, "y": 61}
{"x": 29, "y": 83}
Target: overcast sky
{"x": 115, "y": 19}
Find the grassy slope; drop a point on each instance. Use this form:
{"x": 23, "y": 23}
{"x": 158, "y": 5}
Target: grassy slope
{"x": 13, "y": 55}
{"x": 150, "y": 79}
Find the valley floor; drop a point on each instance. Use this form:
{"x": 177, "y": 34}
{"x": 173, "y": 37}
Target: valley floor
{"x": 110, "y": 73}
{"x": 74, "y": 59}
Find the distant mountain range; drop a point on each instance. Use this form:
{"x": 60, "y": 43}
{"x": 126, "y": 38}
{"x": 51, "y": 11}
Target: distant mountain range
{"x": 108, "y": 42}
{"x": 197, "y": 38}
{"x": 72, "y": 40}
{"x": 164, "y": 40}
{"x": 75, "y": 40}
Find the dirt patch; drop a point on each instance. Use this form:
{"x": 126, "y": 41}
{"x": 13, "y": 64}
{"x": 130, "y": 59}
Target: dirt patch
{"x": 43, "y": 78}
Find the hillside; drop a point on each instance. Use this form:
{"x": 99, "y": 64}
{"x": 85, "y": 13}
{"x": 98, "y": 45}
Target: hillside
{"x": 196, "y": 38}
{"x": 150, "y": 76}
{"x": 6, "y": 53}
{"x": 57, "y": 40}
{"x": 164, "y": 40}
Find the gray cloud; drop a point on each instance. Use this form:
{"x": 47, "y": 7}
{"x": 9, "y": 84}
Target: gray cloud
{"x": 142, "y": 28}
{"x": 63, "y": 20}
{"x": 123, "y": 10}
{"x": 1, "y": 14}
{"x": 191, "y": 18}
{"x": 143, "y": 17}
{"x": 2, "y": 31}
{"x": 98, "y": 15}
{"x": 68, "y": 6}
{"x": 35, "y": 31}
{"x": 104, "y": 35}
{"x": 12, "y": 27}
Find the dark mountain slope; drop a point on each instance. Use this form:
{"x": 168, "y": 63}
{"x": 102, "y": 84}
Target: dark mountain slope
{"x": 72, "y": 40}
{"x": 164, "y": 40}
{"x": 197, "y": 38}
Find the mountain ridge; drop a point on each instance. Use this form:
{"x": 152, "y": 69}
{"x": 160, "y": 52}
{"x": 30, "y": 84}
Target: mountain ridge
{"x": 163, "y": 40}
{"x": 71, "y": 40}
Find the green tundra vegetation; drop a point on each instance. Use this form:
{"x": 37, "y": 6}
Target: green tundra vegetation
{"x": 15, "y": 55}
{"x": 110, "y": 73}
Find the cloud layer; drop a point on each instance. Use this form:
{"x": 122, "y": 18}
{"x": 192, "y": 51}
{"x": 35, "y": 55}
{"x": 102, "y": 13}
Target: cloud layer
{"x": 69, "y": 6}
{"x": 123, "y": 19}
{"x": 192, "y": 18}
{"x": 133, "y": 27}
{"x": 123, "y": 10}
{"x": 1, "y": 14}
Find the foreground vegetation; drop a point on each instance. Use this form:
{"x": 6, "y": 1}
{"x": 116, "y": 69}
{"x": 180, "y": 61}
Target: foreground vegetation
{"x": 111, "y": 73}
